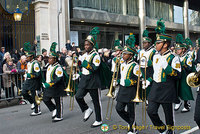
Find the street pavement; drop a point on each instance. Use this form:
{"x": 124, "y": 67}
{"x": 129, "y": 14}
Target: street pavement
{"x": 16, "y": 120}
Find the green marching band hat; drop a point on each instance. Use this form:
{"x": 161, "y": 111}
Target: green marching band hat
{"x": 179, "y": 41}
{"x": 188, "y": 43}
{"x": 28, "y": 49}
{"x": 160, "y": 30}
{"x": 117, "y": 45}
{"x": 129, "y": 48}
{"x": 44, "y": 50}
{"x": 53, "y": 52}
{"x": 92, "y": 37}
{"x": 146, "y": 37}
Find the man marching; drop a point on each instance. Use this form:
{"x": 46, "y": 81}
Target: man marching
{"x": 54, "y": 86}
{"x": 184, "y": 91}
{"x": 146, "y": 57}
{"x": 33, "y": 79}
{"x": 128, "y": 84}
{"x": 90, "y": 79}
{"x": 118, "y": 51}
{"x": 163, "y": 92}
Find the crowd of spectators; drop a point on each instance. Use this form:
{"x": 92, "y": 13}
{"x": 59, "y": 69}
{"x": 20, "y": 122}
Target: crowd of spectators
{"x": 13, "y": 65}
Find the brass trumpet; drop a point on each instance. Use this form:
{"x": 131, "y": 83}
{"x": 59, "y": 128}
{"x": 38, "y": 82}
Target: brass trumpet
{"x": 71, "y": 83}
{"x": 137, "y": 97}
{"x": 69, "y": 88}
{"x": 193, "y": 79}
{"x": 109, "y": 94}
{"x": 38, "y": 99}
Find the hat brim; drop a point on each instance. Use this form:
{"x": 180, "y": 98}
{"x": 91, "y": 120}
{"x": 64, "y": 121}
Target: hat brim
{"x": 126, "y": 52}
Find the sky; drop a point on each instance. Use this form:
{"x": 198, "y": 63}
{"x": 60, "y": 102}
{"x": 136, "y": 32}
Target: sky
{"x": 178, "y": 13}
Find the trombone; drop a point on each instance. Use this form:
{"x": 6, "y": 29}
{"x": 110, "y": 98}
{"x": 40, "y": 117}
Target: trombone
{"x": 71, "y": 83}
{"x": 109, "y": 94}
{"x": 137, "y": 97}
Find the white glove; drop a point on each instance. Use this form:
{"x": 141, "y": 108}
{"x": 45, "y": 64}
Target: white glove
{"x": 43, "y": 85}
{"x": 164, "y": 63}
{"x": 145, "y": 84}
{"x": 75, "y": 76}
{"x": 198, "y": 67}
{"x": 114, "y": 83}
{"x": 25, "y": 76}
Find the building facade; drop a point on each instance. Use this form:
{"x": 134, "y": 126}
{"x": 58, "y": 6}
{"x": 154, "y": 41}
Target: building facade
{"x": 62, "y": 20}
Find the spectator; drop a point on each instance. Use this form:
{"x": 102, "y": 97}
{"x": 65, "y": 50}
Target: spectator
{"x": 22, "y": 65}
{"x": 6, "y": 57}
{"x": 68, "y": 61}
{"x": 44, "y": 56}
{"x": 15, "y": 56}
{"x": 21, "y": 68}
{"x": 2, "y": 52}
{"x": 8, "y": 79}
{"x": 78, "y": 51}
{"x": 40, "y": 61}
{"x": 62, "y": 58}
{"x": 68, "y": 45}
{"x": 21, "y": 52}
{"x": 74, "y": 47}
{"x": 35, "y": 46}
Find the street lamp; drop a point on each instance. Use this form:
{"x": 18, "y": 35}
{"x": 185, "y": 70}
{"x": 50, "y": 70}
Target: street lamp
{"x": 17, "y": 14}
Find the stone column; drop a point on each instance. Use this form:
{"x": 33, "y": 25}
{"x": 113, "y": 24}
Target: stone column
{"x": 185, "y": 18}
{"x": 124, "y": 7}
{"x": 142, "y": 18}
{"x": 46, "y": 23}
{"x": 116, "y": 35}
{"x": 67, "y": 19}
{"x": 42, "y": 31}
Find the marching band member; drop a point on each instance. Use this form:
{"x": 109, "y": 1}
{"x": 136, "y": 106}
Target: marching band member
{"x": 163, "y": 92}
{"x": 197, "y": 105}
{"x": 129, "y": 70}
{"x": 191, "y": 50}
{"x": 118, "y": 51}
{"x": 54, "y": 86}
{"x": 33, "y": 79}
{"x": 184, "y": 91}
{"x": 148, "y": 51}
{"x": 118, "y": 56}
{"x": 90, "y": 79}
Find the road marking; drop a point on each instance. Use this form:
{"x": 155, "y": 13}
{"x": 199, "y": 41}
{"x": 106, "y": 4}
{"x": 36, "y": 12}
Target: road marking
{"x": 191, "y": 130}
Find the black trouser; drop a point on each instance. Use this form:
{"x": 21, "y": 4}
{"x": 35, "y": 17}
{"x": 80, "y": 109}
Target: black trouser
{"x": 197, "y": 110}
{"x": 152, "y": 111}
{"x": 129, "y": 115}
{"x": 95, "y": 94}
{"x": 10, "y": 92}
{"x": 51, "y": 106}
{"x": 31, "y": 98}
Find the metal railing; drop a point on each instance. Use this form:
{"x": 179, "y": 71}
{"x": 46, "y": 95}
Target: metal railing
{"x": 10, "y": 85}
